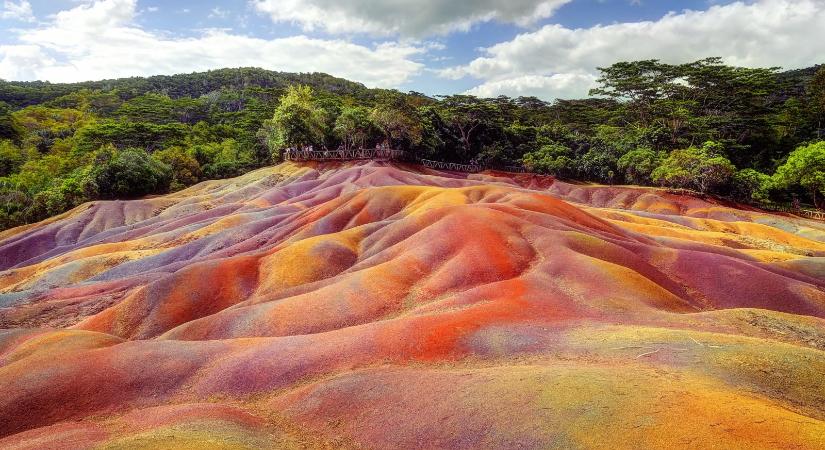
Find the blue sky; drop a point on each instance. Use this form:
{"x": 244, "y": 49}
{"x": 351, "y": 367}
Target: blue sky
{"x": 548, "y": 48}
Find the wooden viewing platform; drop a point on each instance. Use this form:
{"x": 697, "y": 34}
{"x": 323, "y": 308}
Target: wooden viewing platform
{"x": 456, "y": 167}
{"x": 343, "y": 155}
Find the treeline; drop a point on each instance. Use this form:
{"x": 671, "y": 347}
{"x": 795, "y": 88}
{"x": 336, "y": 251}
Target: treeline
{"x": 19, "y": 94}
{"x": 752, "y": 135}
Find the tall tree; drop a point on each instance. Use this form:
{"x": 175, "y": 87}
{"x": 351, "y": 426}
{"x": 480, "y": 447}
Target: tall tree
{"x": 297, "y": 121}
{"x": 353, "y": 126}
{"x": 638, "y": 83}
{"x": 466, "y": 114}
{"x": 397, "y": 119}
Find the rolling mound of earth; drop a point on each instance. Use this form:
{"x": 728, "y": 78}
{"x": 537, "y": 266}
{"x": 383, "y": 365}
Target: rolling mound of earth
{"x": 373, "y": 305}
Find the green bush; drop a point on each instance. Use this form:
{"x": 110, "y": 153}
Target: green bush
{"x": 66, "y": 193}
{"x": 638, "y": 164}
{"x": 130, "y": 173}
{"x": 695, "y": 168}
{"x": 552, "y": 158}
{"x": 186, "y": 170}
{"x": 805, "y": 167}
{"x": 11, "y": 158}
{"x": 14, "y": 206}
{"x": 749, "y": 185}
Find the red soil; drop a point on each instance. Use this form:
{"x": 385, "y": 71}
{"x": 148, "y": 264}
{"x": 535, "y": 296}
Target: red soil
{"x": 373, "y": 305}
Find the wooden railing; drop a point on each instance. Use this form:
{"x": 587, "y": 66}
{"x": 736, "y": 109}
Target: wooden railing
{"x": 811, "y": 214}
{"x": 815, "y": 214}
{"x": 343, "y": 155}
{"x": 456, "y": 167}
{"x": 514, "y": 169}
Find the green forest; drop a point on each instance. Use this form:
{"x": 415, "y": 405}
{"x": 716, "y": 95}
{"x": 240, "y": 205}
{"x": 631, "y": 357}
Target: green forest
{"x": 749, "y": 135}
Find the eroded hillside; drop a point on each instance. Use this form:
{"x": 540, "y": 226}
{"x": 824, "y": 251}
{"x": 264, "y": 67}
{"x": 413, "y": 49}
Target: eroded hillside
{"x": 385, "y": 306}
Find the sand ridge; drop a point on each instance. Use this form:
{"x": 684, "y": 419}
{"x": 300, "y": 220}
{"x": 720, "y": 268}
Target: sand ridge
{"x": 387, "y": 306}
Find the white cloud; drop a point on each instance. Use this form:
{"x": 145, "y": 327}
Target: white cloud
{"x": 218, "y": 13}
{"x": 763, "y": 33}
{"x": 404, "y": 17}
{"x": 18, "y": 62}
{"x": 562, "y": 85}
{"x": 100, "y": 40}
{"x": 21, "y": 11}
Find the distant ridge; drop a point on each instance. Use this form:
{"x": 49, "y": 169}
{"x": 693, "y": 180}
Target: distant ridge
{"x": 20, "y": 94}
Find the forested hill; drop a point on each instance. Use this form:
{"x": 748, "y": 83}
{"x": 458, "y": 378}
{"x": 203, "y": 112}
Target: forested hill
{"x": 20, "y": 94}
{"x": 753, "y": 135}
{"x": 796, "y": 83}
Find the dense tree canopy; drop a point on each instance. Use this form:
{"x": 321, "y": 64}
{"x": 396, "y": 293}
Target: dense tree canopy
{"x": 397, "y": 119}
{"x": 700, "y": 168}
{"x": 552, "y": 158}
{"x": 129, "y": 173}
{"x": 353, "y": 127}
{"x": 297, "y": 121}
{"x": 749, "y": 134}
{"x": 805, "y": 167}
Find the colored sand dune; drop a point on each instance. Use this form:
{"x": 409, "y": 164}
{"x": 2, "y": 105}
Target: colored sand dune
{"x": 383, "y": 306}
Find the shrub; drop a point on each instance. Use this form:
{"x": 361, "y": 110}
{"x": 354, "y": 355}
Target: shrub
{"x": 552, "y": 158}
{"x": 805, "y": 167}
{"x": 130, "y": 173}
{"x": 186, "y": 170}
{"x": 749, "y": 185}
{"x": 637, "y": 165}
{"x": 695, "y": 168}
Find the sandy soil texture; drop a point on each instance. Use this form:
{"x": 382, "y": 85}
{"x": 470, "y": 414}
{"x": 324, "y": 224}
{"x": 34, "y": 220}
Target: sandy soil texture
{"x": 373, "y": 305}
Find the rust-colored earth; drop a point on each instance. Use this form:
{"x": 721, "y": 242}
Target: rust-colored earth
{"x": 383, "y": 306}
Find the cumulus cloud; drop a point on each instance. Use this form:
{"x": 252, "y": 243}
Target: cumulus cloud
{"x": 403, "y": 17}
{"x": 100, "y": 40}
{"x": 18, "y": 62}
{"x": 21, "y": 11}
{"x": 562, "y": 85}
{"x": 763, "y": 33}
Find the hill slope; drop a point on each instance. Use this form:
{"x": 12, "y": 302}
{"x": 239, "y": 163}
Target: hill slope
{"x": 20, "y": 94}
{"x": 369, "y": 304}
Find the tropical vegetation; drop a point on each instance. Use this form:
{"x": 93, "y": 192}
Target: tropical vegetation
{"x": 748, "y": 134}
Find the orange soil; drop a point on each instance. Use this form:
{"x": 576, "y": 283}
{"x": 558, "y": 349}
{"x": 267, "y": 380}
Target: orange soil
{"x": 382, "y": 306}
